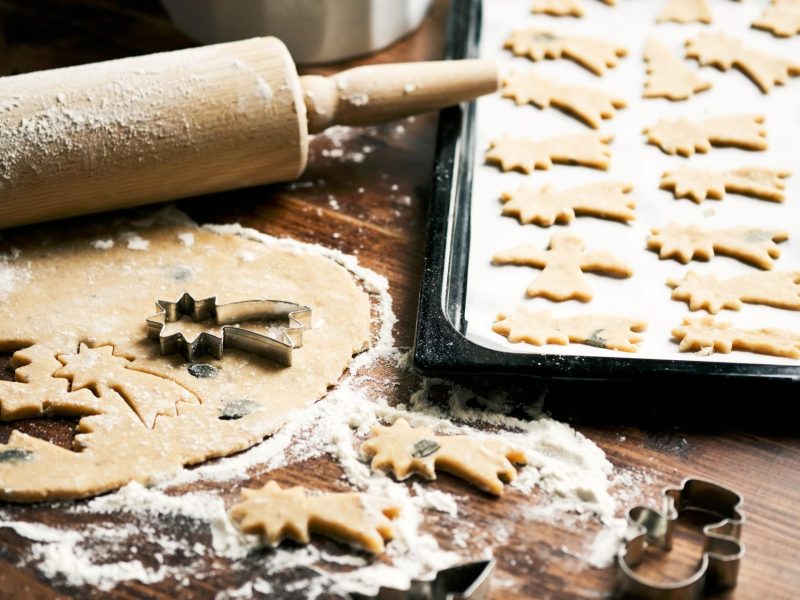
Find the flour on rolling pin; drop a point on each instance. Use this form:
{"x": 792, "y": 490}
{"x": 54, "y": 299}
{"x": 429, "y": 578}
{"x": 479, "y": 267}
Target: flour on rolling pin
{"x": 165, "y": 126}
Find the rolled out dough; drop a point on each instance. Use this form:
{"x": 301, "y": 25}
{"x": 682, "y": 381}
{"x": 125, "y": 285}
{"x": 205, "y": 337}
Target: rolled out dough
{"x": 76, "y": 319}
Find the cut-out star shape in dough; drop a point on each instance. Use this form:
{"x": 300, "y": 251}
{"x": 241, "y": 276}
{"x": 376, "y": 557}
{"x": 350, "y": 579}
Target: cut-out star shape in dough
{"x": 593, "y": 54}
{"x": 540, "y": 328}
{"x": 563, "y": 265}
{"x": 781, "y": 18}
{"x": 276, "y": 513}
{"x": 712, "y": 294}
{"x": 587, "y": 104}
{"x": 705, "y": 333}
{"x": 699, "y": 184}
{"x": 685, "y": 11}
{"x": 404, "y": 450}
{"x": 685, "y": 137}
{"x": 526, "y": 155}
{"x": 562, "y": 8}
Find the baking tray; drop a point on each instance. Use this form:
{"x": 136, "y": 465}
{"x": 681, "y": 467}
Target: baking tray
{"x": 441, "y": 345}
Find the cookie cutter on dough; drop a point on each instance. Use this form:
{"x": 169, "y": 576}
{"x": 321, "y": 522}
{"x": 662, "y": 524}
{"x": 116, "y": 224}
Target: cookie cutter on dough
{"x": 718, "y": 568}
{"x": 468, "y": 581}
{"x": 275, "y": 347}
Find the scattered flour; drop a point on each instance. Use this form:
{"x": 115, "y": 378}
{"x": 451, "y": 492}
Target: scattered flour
{"x": 187, "y": 239}
{"x": 136, "y": 242}
{"x": 12, "y": 271}
{"x": 102, "y": 244}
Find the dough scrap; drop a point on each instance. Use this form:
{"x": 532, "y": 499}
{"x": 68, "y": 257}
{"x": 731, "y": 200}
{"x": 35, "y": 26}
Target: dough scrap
{"x": 593, "y": 54}
{"x": 563, "y": 265}
{"x": 712, "y": 294}
{"x": 749, "y": 244}
{"x": 600, "y": 331}
{"x": 77, "y": 323}
{"x": 781, "y": 18}
{"x": 562, "y": 8}
{"x": 587, "y": 104}
{"x": 546, "y": 206}
{"x": 667, "y": 76}
{"x": 403, "y": 450}
{"x": 276, "y": 513}
{"x": 705, "y": 333}
{"x": 527, "y": 155}
{"x": 699, "y": 184}
{"x": 723, "y": 52}
{"x": 684, "y": 137}
{"x": 685, "y": 11}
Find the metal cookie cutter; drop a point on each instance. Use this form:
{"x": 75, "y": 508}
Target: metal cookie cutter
{"x": 718, "y": 568}
{"x": 278, "y": 348}
{"x": 469, "y": 581}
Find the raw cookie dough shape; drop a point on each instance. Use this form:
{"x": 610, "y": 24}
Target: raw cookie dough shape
{"x": 563, "y": 265}
{"x": 276, "y": 513}
{"x": 704, "y": 333}
{"x": 587, "y": 104}
{"x": 712, "y": 294}
{"x": 684, "y": 137}
{"x": 685, "y": 11}
{"x": 723, "y": 52}
{"x": 667, "y": 76}
{"x": 600, "y": 331}
{"x": 687, "y": 242}
{"x": 781, "y": 18}
{"x": 562, "y": 8}
{"x": 699, "y": 184}
{"x": 593, "y": 54}
{"x": 226, "y": 319}
{"x": 526, "y": 155}
{"x": 403, "y": 450}
{"x": 142, "y": 415}
{"x": 546, "y": 206}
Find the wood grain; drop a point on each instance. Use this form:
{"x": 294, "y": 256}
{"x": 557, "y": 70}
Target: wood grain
{"x": 742, "y": 438}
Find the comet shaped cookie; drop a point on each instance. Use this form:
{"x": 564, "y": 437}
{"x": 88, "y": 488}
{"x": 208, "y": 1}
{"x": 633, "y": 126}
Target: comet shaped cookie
{"x": 546, "y": 206}
{"x": 685, "y": 11}
{"x": 403, "y": 450}
{"x": 587, "y": 104}
{"x": 705, "y": 333}
{"x": 278, "y": 513}
{"x": 563, "y": 265}
{"x": 781, "y": 18}
{"x": 685, "y": 137}
{"x": 526, "y": 155}
{"x": 667, "y": 76}
{"x": 699, "y": 184}
{"x": 593, "y": 54}
{"x": 562, "y": 8}
{"x": 723, "y": 52}
{"x": 688, "y": 242}
{"x": 712, "y": 294}
{"x": 600, "y": 331}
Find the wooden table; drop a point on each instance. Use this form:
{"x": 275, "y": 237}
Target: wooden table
{"x": 742, "y": 438}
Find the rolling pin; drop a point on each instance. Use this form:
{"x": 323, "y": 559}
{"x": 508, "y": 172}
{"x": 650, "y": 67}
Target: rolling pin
{"x": 165, "y": 126}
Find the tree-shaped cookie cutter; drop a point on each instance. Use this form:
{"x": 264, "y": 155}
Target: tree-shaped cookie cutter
{"x": 718, "y": 568}
{"x": 275, "y": 347}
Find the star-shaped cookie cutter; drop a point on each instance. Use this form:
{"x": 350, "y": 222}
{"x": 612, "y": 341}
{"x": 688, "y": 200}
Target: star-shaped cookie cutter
{"x": 278, "y": 348}
{"x": 718, "y": 568}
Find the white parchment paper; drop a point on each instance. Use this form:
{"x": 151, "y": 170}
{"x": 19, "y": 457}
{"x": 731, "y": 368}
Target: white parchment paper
{"x": 492, "y": 289}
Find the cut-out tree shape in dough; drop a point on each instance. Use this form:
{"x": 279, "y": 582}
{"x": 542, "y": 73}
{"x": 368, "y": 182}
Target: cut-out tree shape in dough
{"x": 723, "y": 52}
{"x": 526, "y": 155}
{"x": 593, "y": 54}
{"x": 600, "y": 331}
{"x": 278, "y": 513}
{"x": 587, "y": 104}
{"x": 704, "y": 333}
{"x": 685, "y": 137}
{"x": 100, "y": 371}
{"x": 712, "y": 294}
{"x": 699, "y": 184}
{"x": 685, "y": 11}
{"x": 781, "y": 17}
{"x": 687, "y": 242}
{"x": 404, "y": 450}
{"x": 563, "y": 265}
{"x": 562, "y": 8}
{"x": 668, "y": 76}
{"x": 545, "y": 206}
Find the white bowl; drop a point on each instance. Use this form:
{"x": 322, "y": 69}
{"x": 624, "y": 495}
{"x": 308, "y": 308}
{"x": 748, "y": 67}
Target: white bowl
{"x": 315, "y": 31}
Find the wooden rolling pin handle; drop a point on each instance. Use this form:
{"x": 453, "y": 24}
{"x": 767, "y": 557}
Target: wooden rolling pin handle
{"x": 376, "y": 94}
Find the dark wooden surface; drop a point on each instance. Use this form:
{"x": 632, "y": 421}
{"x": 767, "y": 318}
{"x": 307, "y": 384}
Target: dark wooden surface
{"x": 741, "y": 437}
